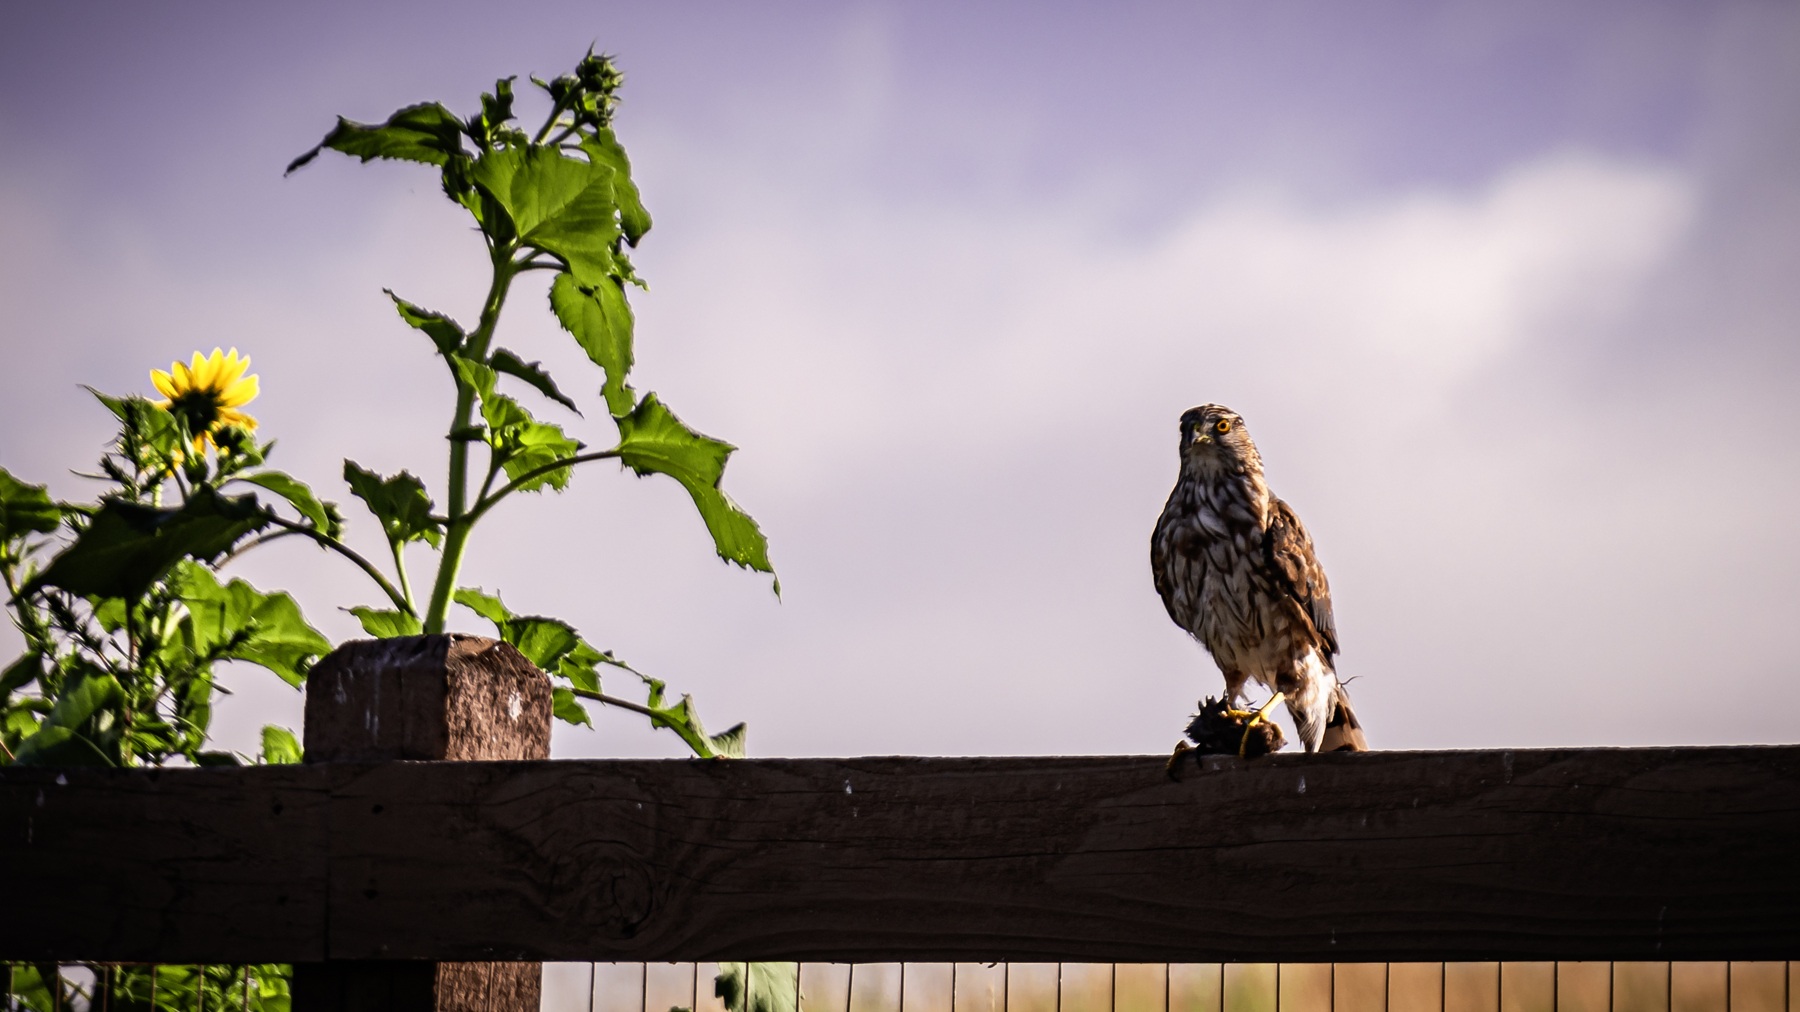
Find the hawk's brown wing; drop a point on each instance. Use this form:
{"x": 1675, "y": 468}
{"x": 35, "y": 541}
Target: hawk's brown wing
{"x": 1290, "y": 551}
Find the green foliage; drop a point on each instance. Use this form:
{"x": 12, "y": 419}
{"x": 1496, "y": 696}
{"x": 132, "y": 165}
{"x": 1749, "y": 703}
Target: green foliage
{"x": 120, "y": 602}
{"x": 555, "y": 647}
{"x": 758, "y": 987}
{"x": 125, "y": 623}
{"x": 128, "y": 546}
{"x": 164, "y": 988}
{"x": 280, "y": 747}
{"x": 386, "y": 624}
{"x": 400, "y": 503}
{"x": 653, "y": 440}
{"x": 219, "y": 615}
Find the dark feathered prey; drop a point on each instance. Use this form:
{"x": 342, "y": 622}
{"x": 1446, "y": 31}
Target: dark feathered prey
{"x": 1236, "y": 569}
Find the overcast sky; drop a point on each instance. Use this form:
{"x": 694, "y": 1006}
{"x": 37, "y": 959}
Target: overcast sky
{"x": 1509, "y": 296}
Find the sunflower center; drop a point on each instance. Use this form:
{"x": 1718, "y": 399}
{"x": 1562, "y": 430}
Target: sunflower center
{"x": 198, "y": 408}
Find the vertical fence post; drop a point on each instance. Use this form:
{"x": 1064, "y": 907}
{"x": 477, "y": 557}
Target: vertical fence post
{"x": 459, "y": 698}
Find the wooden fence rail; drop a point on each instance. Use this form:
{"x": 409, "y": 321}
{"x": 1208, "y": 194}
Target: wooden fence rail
{"x": 1598, "y": 854}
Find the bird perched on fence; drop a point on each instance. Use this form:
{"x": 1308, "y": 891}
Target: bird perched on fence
{"x": 1236, "y": 569}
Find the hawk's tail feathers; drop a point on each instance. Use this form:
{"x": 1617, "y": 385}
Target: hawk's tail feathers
{"x": 1343, "y": 732}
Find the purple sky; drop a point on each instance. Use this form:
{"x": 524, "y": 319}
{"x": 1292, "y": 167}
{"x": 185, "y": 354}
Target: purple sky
{"x": 1507, "y": 293}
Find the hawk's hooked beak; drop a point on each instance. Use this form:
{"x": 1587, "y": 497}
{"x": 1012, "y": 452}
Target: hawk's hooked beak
{"x": 1202, "y": 436}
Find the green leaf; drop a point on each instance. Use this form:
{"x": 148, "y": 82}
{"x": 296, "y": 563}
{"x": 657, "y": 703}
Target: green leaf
{"x": 324, "y": 519}
{"x": 127, "y": 546}
{"x": 652, "y": 439}
{"x": 82, "y": 697}
{"x": 385, "y": 625}
{"x": 604, "y": 148}
{"x": 496, "y": 111}
{"x": 216, "y": 759}
{"x": 488, "y": 606}
{"x": 238, "y": 622}
{"x": 600, "y": 320}
{"x": 59, "y": 746}
{"x": 564, "y": 706}
{"x": 22, "y": 672}
{"x": 563, "y": 206}
{"x": 418, "y": 133}
{"x": 758, "y": 987}
{"x": 522, "y": 443}
{"x": 280, "y": 747}
{"x": 730, "y": 742}
{"x": 581, "y": 665}
{"x": 532, "y": 373}
{"x": 400, "y": 503}
{"x": 444, "y": 332}
{"x": 25, "y": 509}
{"x": 543, "y": 641}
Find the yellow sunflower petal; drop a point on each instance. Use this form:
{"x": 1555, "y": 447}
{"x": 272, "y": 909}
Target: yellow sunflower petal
{"x": 181, "y": 377}
{"x": 242, "y": 392}
{"x": 215, "y": 364}
{"x": 232, "y": 416}
{"x": 233, "y": 369}
{"x": 164, "y": 383}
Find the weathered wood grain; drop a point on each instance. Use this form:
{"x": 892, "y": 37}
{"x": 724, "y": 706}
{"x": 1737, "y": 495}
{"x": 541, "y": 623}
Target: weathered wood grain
{"x": 182, "y": 866}
{"x": 1672, "y": 853}
{"x": 1556, "y": 854}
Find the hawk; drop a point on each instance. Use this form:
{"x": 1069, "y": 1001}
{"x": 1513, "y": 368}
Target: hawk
{"x": 1236, "y": 569}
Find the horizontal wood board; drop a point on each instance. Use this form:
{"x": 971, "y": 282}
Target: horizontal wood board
{"x": 1646, "y": 854}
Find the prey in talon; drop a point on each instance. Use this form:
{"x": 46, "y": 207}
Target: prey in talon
{"x": 1235, "y": 568}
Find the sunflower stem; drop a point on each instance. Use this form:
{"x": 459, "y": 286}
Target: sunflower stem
{"x": 456, "y": 533}
{"x": 347, "y": 552}
{"x": 400, "y": 571}
{"x": 486, "y": 502}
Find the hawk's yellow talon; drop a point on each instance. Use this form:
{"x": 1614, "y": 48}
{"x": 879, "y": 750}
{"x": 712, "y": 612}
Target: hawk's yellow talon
{"x": 1255, "y": 719}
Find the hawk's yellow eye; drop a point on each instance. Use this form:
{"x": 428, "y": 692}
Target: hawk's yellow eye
{"x": 1223, "y": 426}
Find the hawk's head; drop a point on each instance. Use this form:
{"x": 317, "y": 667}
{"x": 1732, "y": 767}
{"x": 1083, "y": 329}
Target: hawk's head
{"x": 1213, "y": 437}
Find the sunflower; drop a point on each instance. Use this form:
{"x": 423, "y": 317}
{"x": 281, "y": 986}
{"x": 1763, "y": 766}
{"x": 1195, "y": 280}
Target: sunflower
{"x": 207, "y": 394}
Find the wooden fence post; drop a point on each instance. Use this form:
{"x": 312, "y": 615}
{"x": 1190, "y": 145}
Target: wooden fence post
{"x": 459, "y": 698}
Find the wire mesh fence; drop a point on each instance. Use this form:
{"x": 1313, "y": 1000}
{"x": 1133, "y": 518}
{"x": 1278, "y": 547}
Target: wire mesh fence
{"x": 1195, "y": 987}
{"x": 998, "y": 987}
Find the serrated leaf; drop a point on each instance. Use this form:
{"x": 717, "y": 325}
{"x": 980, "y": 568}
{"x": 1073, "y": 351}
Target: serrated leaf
{"x": 301, "y": 497}
{"x": 652, "y": 439}
{"x": 427, "y": 133}
{"x": 543, "y": 641}
{"x": 384, "y": 625}
{"x": 280, "y": 747}
{"x": 532, "y": 373}
{"x": 127, "y": 546}
{"x": 603, "y": 147}
{"x": 564, "y": 706}
{"x": 600, "y": 320}
{"x": 522, "y": 443}
{"x": 581, "y": 665}
{"x": 731, "y": 741}
{"x": 265, "y": 629}
{"x": 488, "y": 606}
{"x": 758, "y": 987}
{"x": 25, "y": 509}
{"x": 561, "y": 205}
{"x": 400, "y": 503}
{"x": 444, "y": 332}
